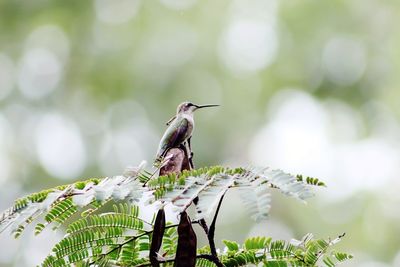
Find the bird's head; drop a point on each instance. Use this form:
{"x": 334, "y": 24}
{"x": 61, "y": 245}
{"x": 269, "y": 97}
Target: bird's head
{"x": 189, "y": 108}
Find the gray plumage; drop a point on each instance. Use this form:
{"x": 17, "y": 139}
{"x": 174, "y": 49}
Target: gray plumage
{"x": 180, "y": 128}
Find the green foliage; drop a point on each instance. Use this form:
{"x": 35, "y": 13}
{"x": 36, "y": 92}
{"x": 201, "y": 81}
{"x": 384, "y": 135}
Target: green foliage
{"x": 117, "y": 236}
{"x": 335, "y": 258}
{"x": 59, "y": 213}
{"x": 122, "y": 237}
{"x": 231, "y": 245}
{"x": 60, "y": 203}
{"x": 257, "y": 243}
{"x": 170, "y": 240}
{"x": 210, "y": 183}
{"x": 258, "y": 250}
{"x": 263, "y": 250}
{"x": 310, "y": 180}
{"x": 171, "y": 182}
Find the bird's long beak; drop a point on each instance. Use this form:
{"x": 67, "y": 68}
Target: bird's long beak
{"x": 205, "y": 106}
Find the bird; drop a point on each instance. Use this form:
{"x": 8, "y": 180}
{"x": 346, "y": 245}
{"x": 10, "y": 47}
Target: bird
{"x": 180, "y": 129}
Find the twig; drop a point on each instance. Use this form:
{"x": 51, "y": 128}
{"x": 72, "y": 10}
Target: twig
{"x": 204, "y": 225}
{"x": 156, "y": 170}
{"x": 211, "y": 233}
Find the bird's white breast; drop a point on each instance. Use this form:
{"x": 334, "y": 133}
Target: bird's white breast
{"x": 190, "y": 119}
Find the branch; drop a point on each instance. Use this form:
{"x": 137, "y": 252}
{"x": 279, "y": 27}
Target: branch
{"x": 211, "y": 234}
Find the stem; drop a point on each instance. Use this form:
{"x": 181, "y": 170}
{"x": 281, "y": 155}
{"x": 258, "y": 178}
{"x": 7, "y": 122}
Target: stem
{"x": 118, "y": 247}
{"x": 211, "y": 233}
{"x": 157, "y": 169}
{"x": 203, "y": 224}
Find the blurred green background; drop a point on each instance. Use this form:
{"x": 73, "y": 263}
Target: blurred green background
{"x": 308, "y": 86}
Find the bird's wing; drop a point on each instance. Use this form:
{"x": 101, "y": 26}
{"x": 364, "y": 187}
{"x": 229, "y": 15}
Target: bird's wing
{"x": 179, "y": 133}
{"x": 175, "y": 135}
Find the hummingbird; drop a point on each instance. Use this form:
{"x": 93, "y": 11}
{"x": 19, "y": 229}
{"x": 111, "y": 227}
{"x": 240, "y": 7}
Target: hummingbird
{"x": 180, "y": 129}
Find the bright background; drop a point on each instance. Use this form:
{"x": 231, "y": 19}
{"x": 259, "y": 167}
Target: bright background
{"x": 307, "y": 86}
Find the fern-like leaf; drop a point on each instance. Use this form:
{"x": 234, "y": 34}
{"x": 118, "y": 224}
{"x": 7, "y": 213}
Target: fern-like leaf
{"x": 257, "y": 200}
{"x": 310, "y": 180}
{"x": 336, "y": 258}
{"x": 257, "y": 250}
{"x": 116, "y": 236}
{"x": 209, "y": 184}
{"x": 60, "y": 203}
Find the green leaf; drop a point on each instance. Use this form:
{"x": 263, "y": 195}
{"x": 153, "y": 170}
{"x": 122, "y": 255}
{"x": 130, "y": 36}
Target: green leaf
{"x": 231, "y": 245}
